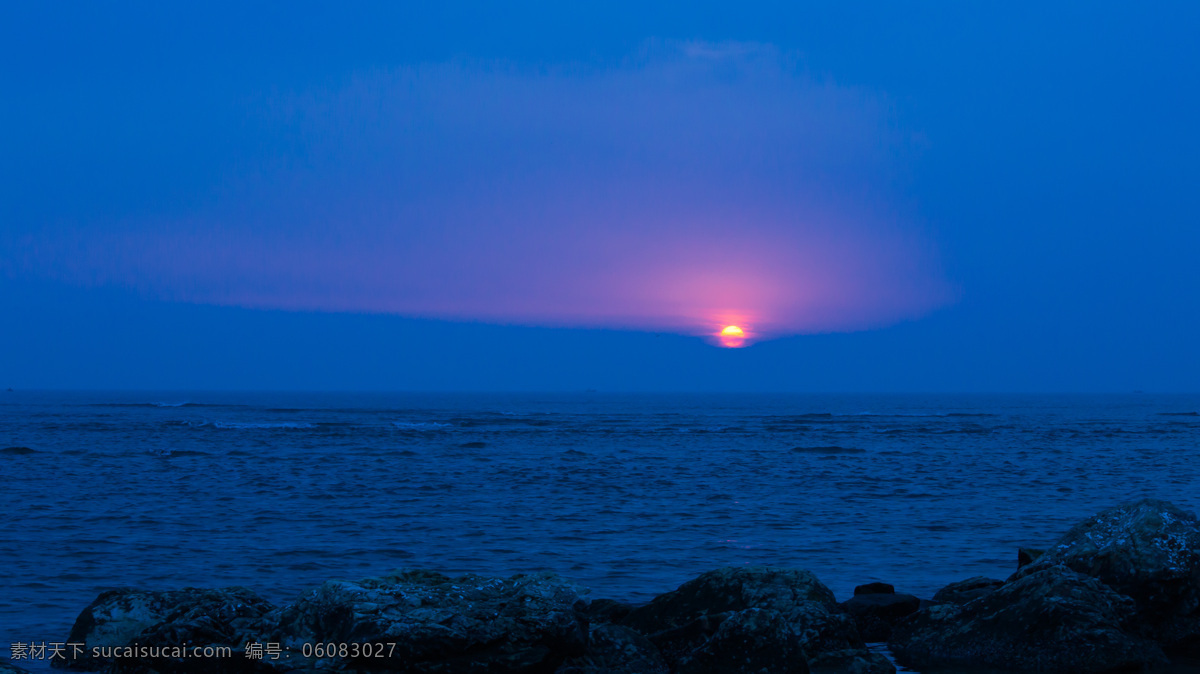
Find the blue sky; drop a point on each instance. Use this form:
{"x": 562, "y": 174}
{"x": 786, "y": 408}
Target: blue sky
{"x": 895, "y": 196}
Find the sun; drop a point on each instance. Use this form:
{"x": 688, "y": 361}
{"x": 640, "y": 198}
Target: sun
{"x": 732, "y": 336}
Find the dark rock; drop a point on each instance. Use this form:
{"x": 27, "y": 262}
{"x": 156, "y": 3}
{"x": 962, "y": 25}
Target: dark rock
{"x": 822, "y": 630}
{"x": 439, "y": 624}
{"x": 874, "y": 614}
{"x": 677, "y": 642}
{"x": 6, "y": 668}
{"x": 606, "y": 611}
{"x": 851, "y": 661}
{"x": 469, "y": 624}
{"x": 752, "y": 641}
{"x": 874, "y": 588}
{"x": 1148, "y": 550}
{"x": 732, "y": 589}
{"x": 473, "y": 445}
{"x": 156, "y": 620}
{"x": 1050, "y": 620}
{"x": 967, "y": 590}
{"x": 1027, "y": 556}
{"x": 16, "y": 451}
{"x": 613, "y": 649}
{"x": 681, "y": 621}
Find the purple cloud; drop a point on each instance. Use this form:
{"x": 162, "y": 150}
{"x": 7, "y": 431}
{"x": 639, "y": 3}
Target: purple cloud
{"x": 694, "y": 187}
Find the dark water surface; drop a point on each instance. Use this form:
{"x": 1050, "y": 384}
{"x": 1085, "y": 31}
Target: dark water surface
{"x": 629, "y": 495}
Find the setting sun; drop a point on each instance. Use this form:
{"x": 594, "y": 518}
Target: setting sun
{"x": 732, "y": 336}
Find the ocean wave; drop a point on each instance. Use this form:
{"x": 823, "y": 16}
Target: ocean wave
{"x": 922, "y": 415}
{"x": 177, "y": 452}
{"x": 419, "y": 425}
{"x": 831, "y": 449}
{"x": 498, "y": 419}
{"x": 162, "y": 403}
{"x": 256, "y": 425}
{"x": 705, "y": 429}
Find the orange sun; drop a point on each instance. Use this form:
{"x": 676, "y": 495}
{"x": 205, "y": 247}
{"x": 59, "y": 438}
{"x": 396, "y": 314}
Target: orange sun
{"x": 732, "y": 336}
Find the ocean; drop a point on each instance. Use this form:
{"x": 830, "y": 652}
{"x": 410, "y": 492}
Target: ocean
{"x": 629, "y": 495}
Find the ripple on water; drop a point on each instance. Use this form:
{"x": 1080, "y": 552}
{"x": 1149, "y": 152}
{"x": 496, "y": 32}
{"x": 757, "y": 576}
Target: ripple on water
{"x": 280, "y": 493}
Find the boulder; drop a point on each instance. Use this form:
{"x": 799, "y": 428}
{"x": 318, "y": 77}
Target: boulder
{"x": 683, "y": 621}
{"x": 155, "y": 621}
{"x": 606, "y": 611}
{"x": 1027, "y": 556}
{"x": 677, "y": 643}
{"x": 875, "y": 588}
{"x": 851, "y": 661}
{"x": 822, "y": 630}
{"x": 1148, "y": 550}
{"x": 438, "y": 624}
{"x": 875, "y": 614}
{"x": 967, "y": 590}
{"x": 1050, "y": 620}
{"x": 613, "y": 649}
{"x": 751, "y": 641}
{"x": 732, "y": 589}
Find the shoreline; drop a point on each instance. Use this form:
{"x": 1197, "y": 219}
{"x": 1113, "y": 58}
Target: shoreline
{"x": 1120, "y": 590}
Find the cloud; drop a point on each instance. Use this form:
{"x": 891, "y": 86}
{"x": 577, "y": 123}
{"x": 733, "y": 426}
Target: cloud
{"x": 694, "y": 186}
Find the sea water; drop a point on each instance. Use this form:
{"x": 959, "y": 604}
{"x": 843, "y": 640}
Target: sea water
{"x": 629, "y": 495}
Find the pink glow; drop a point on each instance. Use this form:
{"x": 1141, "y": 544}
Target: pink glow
{"x": 700, "y": 189}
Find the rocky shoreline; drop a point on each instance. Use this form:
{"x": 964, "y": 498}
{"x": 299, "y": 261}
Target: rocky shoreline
{"x": 1118, "y": 592}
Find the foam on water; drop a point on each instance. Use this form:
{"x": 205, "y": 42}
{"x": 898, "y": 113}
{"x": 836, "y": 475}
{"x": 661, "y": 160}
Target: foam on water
{"x": 419, "y": 425}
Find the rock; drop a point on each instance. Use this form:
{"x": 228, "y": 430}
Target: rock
{"x": 6, "y": 668}
{"x": 1027, "y": 556}
{"x": 851, "y": 661}
{"x": 874, "y": 614}
{"x": 874, "y": 588}
{"x": 439, "y": 624}
{"x": 677, "y": 643}
{"x": 606, "y": 611}
{"x": 732, "y": 589}
{"x": 1148, "y": 550}
{"x": 967, "y": 590}
{"x": 822, "y": 630}
{"x": 680, "y": 621}
{"x": 16, "y": 451}
{"x": 155, "y": 620}
{"x": 737, "y": 620}
{"x": 1050, "y": 620}
{"x": 752, "y": 641}
{"x": 613, "y": 649}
